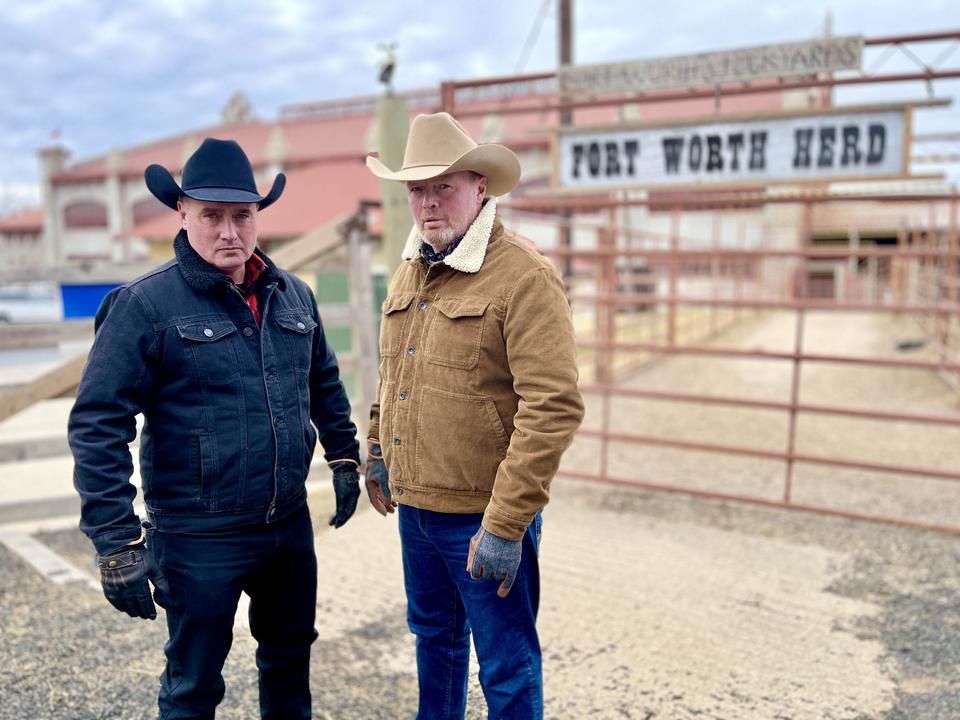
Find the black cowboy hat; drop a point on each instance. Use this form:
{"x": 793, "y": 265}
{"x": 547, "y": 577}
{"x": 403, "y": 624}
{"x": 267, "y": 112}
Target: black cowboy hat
{"x": 218, "y": 171}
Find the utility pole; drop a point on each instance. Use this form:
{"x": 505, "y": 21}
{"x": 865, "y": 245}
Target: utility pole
{"x": 565, "y": 48}
{"x": 565, "y": 57}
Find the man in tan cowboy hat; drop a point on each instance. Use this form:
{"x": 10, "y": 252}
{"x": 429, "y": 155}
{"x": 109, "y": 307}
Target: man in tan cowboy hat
{"x": 224, "y": 355}
{"x": 478, "y": 400}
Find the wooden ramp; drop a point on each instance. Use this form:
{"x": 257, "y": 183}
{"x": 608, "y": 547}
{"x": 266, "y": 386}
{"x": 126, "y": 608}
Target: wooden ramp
{"x": 61, "y": 380}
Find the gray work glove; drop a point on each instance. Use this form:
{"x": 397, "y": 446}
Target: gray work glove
{"x": 494, "y": 558}
{"x": 377, "y": 480}
{"x": 346, "y": 486}
{"x": 124, "y": 575}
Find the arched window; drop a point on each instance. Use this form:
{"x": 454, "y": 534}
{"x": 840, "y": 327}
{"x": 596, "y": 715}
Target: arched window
{"x": 148, "y": 209}
{"x": 85, "y": 214}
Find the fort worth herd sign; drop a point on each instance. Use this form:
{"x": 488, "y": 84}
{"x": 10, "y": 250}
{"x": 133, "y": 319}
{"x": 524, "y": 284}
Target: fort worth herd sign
{"x": 835, "y": 144}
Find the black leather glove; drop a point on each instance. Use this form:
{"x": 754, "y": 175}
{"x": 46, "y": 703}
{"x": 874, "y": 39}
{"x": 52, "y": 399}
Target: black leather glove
{"x": 124, "y": 575}
{"x": 346, "y": 485}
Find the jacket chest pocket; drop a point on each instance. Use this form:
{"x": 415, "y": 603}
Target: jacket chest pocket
{"x": 393, "y": 322}
{"x": 209, "y": 347}
{"x": 297, "y": 328}
{"x": 456, "y": 333}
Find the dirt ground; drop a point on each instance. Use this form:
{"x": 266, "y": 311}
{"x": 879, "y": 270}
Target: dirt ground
{"x": 655, "y": 606}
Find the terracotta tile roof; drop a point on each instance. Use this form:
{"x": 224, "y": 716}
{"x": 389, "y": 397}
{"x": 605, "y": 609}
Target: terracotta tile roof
{"x": 23, "y": 221}
{"x": 305, "y": 140}
{"x": 314, "y": 195}
{"x": 308, "y": 139}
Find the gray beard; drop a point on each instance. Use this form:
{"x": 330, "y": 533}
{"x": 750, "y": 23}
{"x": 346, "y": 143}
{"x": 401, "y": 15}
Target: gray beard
{"x": 438, "y": 239}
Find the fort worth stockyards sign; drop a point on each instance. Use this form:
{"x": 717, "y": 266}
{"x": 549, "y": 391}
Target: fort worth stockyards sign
{"x": 740, "y": 65}
{"x": 845, "y": 143}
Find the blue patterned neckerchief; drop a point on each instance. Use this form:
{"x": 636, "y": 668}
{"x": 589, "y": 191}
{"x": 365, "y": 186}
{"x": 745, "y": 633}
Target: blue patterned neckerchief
{"x": 431, "y": 257}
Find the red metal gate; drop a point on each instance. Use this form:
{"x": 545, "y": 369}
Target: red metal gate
{"x": 652, "y": 296}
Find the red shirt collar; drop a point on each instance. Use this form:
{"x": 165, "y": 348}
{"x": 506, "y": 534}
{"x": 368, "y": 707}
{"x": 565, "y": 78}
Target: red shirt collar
{"x": 254, "y": 268}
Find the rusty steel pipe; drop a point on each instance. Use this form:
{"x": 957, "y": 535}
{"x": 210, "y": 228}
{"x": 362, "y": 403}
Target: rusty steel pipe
{"x": 770, "y": 355}
{"x": 635, "y": 298}
{"x": 754, "y": 500}
{"x": 770, "y": 454}
{"x": 598, "y": 389}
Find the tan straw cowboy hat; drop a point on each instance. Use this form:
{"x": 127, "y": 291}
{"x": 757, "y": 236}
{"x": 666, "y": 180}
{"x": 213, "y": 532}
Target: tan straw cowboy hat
{"x": 438, "y": 144}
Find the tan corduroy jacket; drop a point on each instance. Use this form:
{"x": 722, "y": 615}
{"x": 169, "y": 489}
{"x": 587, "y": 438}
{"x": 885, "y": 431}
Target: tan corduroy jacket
{"x": 478, "y": 392}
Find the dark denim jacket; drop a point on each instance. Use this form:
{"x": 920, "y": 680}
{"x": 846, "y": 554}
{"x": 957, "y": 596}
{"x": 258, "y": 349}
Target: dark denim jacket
{"x": 227, "y": 437}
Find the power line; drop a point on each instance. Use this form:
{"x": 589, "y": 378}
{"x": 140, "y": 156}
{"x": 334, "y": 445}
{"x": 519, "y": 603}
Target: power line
{"x": 532, "y": 36}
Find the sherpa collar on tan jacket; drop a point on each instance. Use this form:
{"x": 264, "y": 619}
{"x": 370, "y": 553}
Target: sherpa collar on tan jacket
{"x": 468, "y": 257}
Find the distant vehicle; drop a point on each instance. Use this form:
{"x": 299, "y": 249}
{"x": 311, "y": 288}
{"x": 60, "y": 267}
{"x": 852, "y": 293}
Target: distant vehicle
{"x": 30, "y": 303}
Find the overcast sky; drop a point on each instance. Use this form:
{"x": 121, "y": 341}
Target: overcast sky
{"x": 109, "y": 73}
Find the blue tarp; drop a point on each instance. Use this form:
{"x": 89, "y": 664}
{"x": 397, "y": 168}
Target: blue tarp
{"x": 82, "y": 301}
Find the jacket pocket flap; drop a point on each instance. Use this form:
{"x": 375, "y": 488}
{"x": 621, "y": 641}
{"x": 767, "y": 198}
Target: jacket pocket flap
{"x": 296, "y": 322}
{"x": 395, "y": 303}
{"x": 455, "y": 308}
{"x": 206, "y": 331}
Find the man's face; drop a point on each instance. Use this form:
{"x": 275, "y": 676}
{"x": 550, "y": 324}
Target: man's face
{"x": 223, "y": 234}
{"x": 445, "y": 206}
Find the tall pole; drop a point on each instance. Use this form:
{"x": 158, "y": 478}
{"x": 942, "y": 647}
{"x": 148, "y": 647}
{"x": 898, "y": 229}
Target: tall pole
{"x": 565, "y": 57}
{"x": 392, "y": 127}
{"x": 565, "y": 48}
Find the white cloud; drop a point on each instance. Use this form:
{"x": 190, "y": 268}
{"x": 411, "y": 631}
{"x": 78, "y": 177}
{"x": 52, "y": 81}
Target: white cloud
{"x": 17, "y": 196}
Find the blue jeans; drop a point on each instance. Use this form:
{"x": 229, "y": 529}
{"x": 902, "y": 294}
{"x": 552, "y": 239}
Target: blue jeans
{"x": 444, "y": 604}
{"x": 277, "y": 567}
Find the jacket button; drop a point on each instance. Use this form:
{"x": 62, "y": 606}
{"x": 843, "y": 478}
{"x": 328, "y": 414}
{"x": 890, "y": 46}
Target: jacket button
{"x": 112, "y": 563}
{"x": 248, "y": 331}
{"x": 422, "y": 306}
{"x": 411, "y": 350}
{"x": 208, "y": 332}
{"x": 399, "y": 491}
{"x": 396, "y": 441}
{"x": 403, "y": 395}
{"x": 301, "y": 326}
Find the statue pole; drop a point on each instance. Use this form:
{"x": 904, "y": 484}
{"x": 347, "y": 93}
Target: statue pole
{"x": 392, "y": 127}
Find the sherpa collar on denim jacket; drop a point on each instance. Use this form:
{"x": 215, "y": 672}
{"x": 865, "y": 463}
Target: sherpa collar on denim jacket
{"x": 202, "y": 276}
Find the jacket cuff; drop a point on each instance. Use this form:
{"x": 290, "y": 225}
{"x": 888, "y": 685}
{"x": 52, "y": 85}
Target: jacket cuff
{"x": 116, "y": 540}
{"x": 502, "y": 524}
{"x": 331, "y": 463}
{"x": 351, "y": 453}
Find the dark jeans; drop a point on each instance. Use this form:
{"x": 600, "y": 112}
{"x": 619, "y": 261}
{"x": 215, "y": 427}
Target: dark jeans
{"x": 277, "y": 567}
{"x": 444, "y": 604}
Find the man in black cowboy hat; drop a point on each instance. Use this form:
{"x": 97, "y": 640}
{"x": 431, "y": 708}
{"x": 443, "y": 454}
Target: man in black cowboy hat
{"x": 224, "y": 355}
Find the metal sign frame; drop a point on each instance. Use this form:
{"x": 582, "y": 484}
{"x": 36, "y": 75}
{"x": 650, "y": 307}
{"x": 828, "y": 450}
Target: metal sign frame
{"x": 708, "y": 120}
